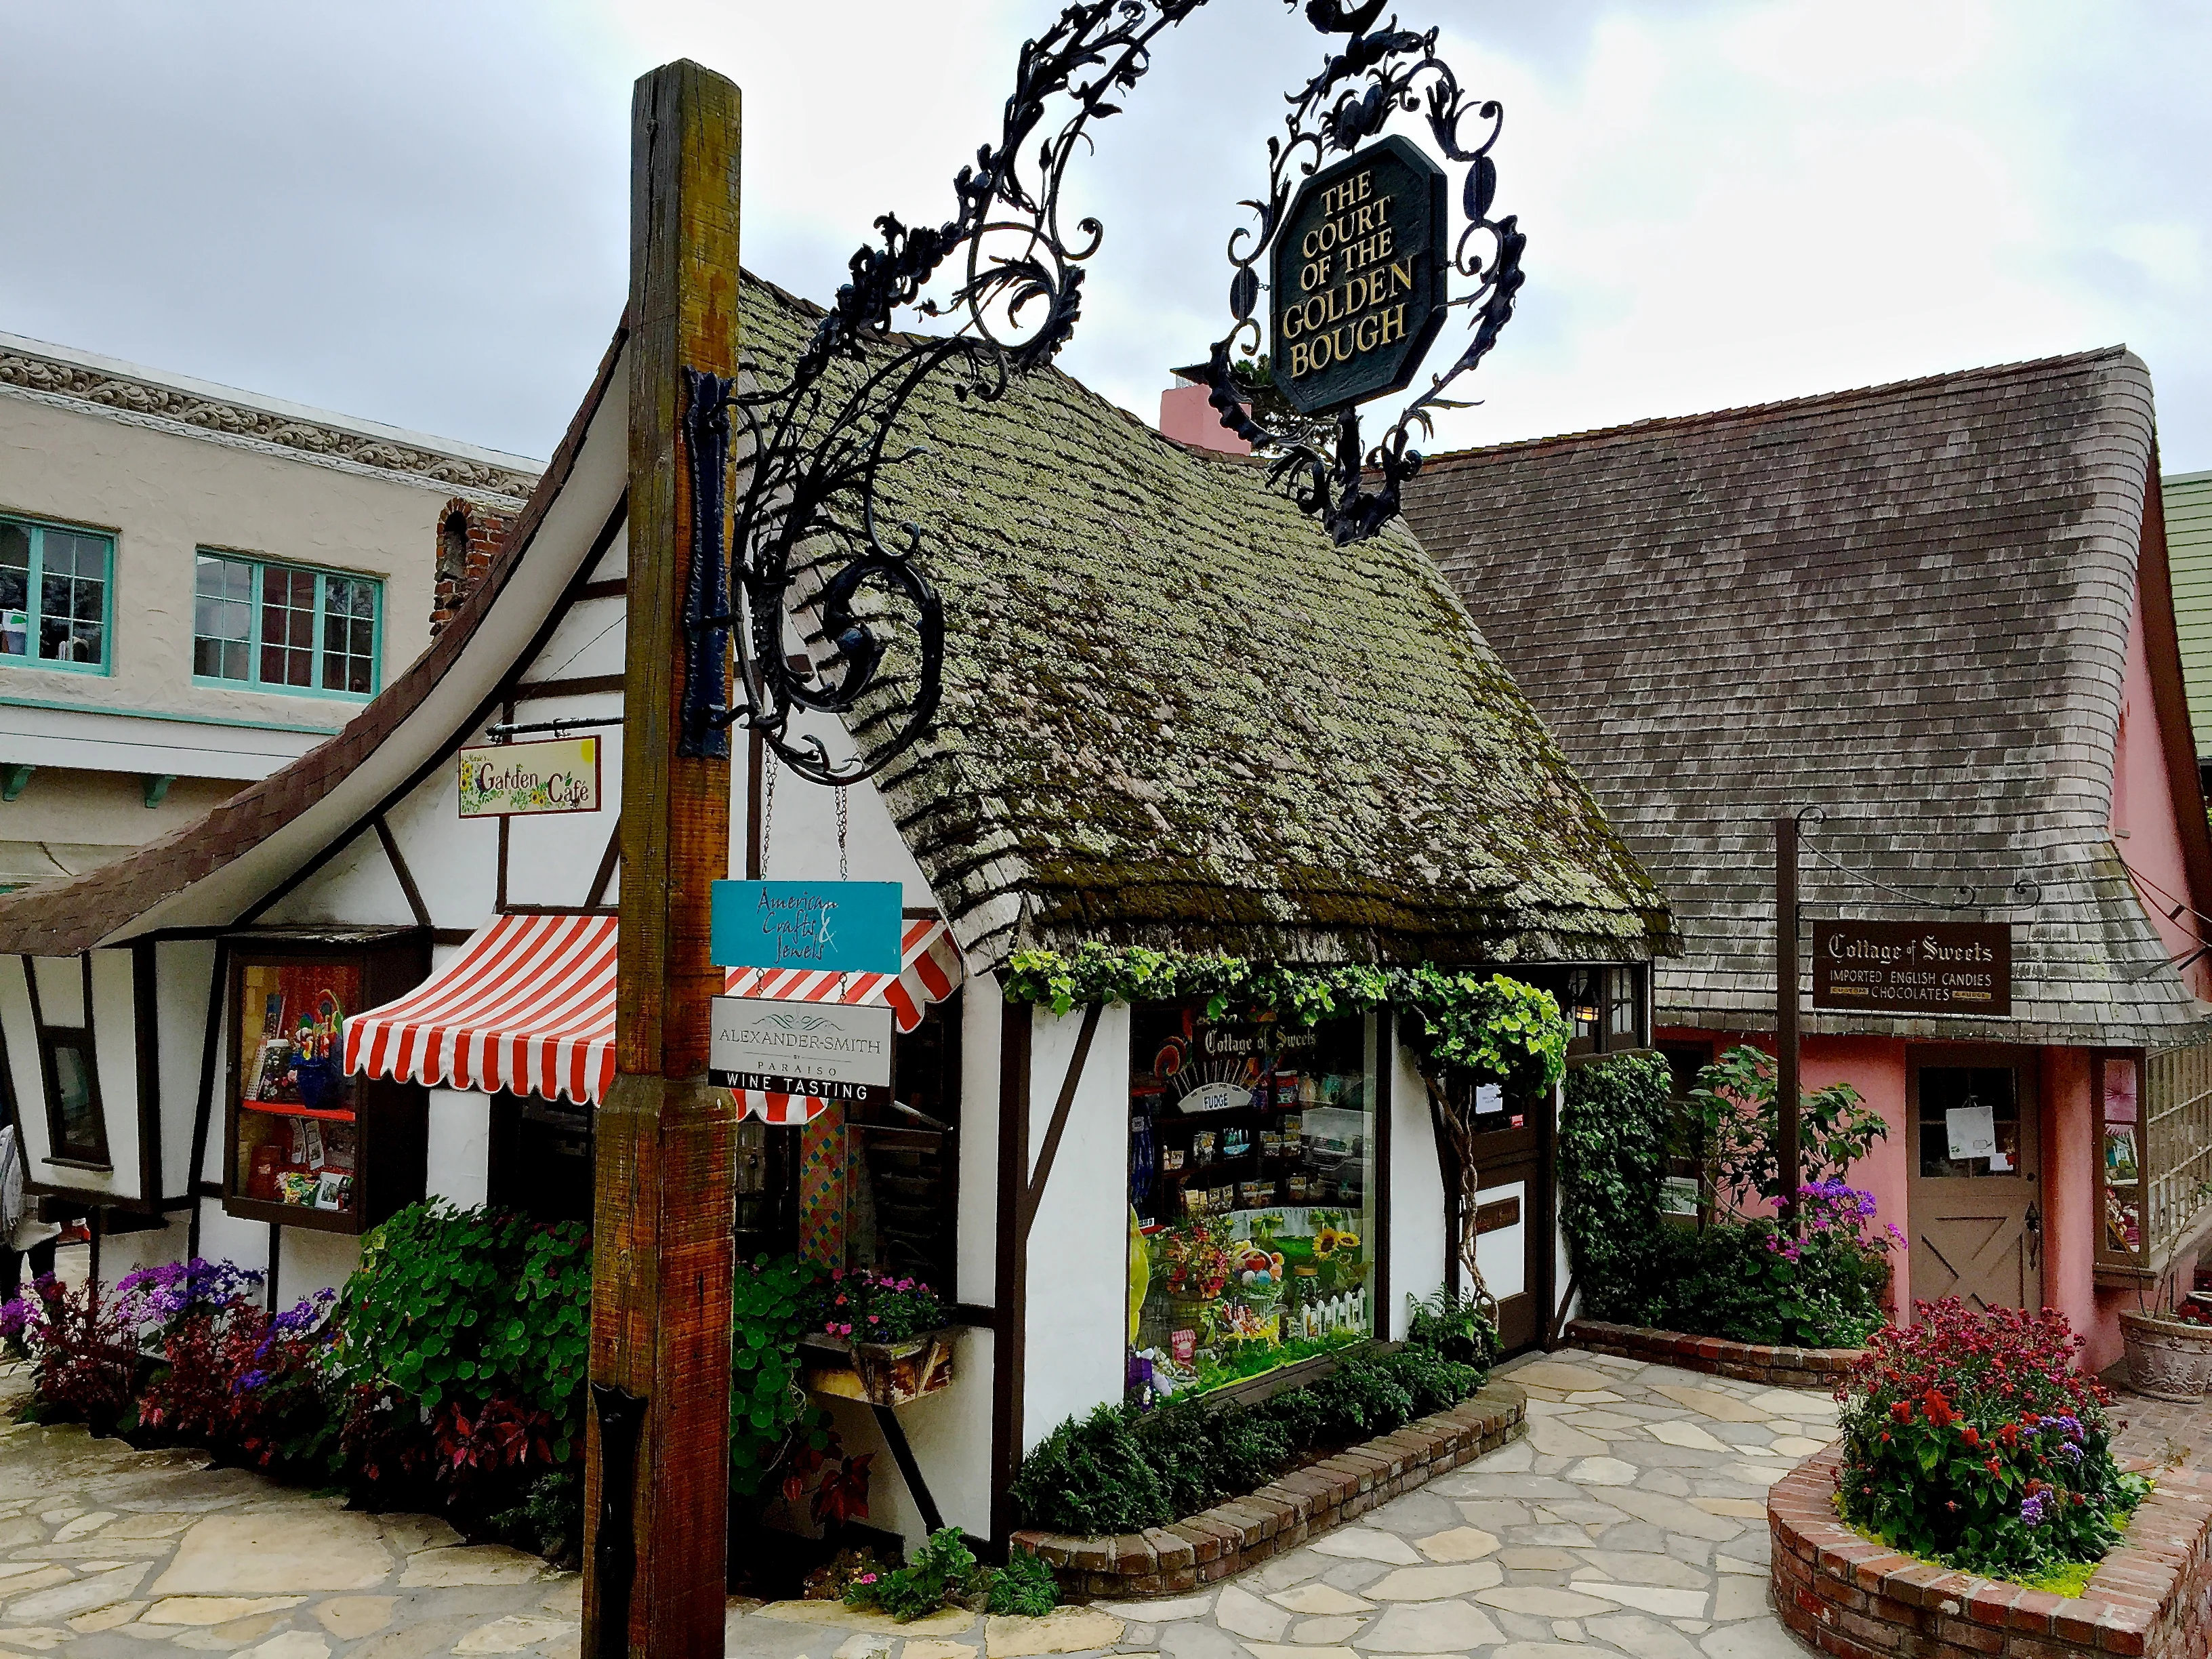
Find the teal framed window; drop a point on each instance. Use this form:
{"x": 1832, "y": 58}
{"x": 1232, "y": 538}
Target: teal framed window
{"x": 57, "y": 583}
{"x": 285, "y": 628}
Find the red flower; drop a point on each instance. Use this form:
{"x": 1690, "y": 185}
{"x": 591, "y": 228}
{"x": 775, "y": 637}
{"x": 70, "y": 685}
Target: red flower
{"x": 1970, "y": 1434}
{"x": 1992, "y": 1465}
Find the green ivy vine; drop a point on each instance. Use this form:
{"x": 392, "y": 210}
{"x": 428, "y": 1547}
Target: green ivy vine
{"x": 1490, "y": 1028}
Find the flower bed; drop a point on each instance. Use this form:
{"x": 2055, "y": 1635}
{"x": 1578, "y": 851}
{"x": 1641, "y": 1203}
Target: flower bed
{"x": 1741, "y": 1277}
{"x": 1856, "y": 1599}
{"x": 1228, "y": 1537}
{"x": 1776, "y": 1367}
{"x": 449, "y": 1376}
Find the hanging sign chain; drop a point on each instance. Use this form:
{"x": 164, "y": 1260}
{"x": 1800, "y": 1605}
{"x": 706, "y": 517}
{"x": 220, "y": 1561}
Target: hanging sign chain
{"x": 768, "y": 810}
{"x": 844, "y": 825}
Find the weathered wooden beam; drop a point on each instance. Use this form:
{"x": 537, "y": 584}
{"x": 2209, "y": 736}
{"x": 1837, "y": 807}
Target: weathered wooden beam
{"x": 664, "y": 1141}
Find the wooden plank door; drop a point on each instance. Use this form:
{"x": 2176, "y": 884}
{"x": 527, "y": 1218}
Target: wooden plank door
{"x": 1974, "y": 1223}
{"x": 1513, "y": 1242}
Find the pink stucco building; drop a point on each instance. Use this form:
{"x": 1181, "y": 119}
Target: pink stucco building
{"x": 1941, "y": 612}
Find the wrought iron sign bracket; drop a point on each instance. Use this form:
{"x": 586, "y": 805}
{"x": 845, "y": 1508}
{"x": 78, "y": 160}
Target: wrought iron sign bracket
{"x": 827, "y": 603}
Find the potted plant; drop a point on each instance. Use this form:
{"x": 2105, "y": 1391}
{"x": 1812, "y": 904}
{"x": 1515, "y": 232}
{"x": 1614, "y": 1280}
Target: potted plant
{"x": 878, "y": 1338}
{"x": 2169, "y": 1351}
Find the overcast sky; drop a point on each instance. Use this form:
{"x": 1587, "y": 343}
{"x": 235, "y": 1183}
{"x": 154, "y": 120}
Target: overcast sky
{"x": 414, "y": 210}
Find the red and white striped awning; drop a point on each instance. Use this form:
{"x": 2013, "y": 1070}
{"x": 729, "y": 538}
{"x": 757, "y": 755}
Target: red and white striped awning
{"x": 930, "y": 970}
{"x": 527, "y": 1007}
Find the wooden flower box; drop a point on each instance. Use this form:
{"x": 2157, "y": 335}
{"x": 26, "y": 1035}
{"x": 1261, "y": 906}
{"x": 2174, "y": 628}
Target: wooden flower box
{"x": 880, "y": 1373}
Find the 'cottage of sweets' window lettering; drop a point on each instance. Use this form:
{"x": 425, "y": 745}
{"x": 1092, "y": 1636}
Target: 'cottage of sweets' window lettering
{"x": 1252, "y": 1197}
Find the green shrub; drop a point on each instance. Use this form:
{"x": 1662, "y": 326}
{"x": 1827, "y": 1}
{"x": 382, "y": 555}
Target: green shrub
{"x": 1123, "y": 1468}
{"x": 1613, "y": 1165}
{"x": 1092, "y": 1476}
{"x": 453, "y": 1306}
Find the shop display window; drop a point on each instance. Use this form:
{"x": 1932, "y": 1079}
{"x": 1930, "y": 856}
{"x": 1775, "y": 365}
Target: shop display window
{"x": 2119, "y": 1156}
{"x": 1253, "y": 1194}
{"x": 307, "y": 1144}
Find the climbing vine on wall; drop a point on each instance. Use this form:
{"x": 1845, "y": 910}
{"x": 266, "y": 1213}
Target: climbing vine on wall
{"x": 1486, "y": 1028}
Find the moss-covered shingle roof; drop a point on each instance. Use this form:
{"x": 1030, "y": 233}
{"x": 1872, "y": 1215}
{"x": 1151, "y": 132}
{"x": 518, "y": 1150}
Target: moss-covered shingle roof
{"x": 1175, "y": 713}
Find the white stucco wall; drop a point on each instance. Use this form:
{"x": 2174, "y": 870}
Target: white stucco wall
{"x": 1078, "y": 1248}
{"x": 1415, "y": 1187}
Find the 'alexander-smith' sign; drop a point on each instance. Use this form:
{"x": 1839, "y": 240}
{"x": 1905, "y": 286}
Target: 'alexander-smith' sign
{"x": 1913, "y": 967}
{"x": 1359, "y": 277}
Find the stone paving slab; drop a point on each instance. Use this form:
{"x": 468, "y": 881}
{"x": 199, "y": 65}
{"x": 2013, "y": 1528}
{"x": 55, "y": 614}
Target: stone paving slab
{"x": 1629, "y": 1522}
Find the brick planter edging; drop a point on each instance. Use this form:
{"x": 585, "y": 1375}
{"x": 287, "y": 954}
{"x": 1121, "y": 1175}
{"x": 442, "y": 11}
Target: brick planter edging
{"x": 1747, "y": 1362}
{"x": 1215, "y": 1543}
{"x": 1848, "y": 1596}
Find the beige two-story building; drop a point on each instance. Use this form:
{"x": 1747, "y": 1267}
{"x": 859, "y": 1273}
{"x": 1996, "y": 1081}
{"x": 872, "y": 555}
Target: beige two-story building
{"x": 198, "y": 585}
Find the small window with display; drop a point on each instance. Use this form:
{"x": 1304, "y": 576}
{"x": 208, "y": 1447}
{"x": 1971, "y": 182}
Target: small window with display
{"x": 307, "y": 1143}
{"x": 297, "y": 1143}
{"x": 2119, "y": 1157}
{"x": 1252, "y": 1197}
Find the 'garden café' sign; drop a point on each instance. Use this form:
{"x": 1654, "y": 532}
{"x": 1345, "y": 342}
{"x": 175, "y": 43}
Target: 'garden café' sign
{"x": 1913, "y": 967}
{"x": 521, "y": 780}
{"x": 1359, "y": 291}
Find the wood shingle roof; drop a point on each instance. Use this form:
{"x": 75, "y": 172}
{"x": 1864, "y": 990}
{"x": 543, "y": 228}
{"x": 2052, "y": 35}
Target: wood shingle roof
{"x": 1908, "y": 605}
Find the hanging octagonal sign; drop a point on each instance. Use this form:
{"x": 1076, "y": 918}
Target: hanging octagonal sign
{"x": 1357, "y": 293}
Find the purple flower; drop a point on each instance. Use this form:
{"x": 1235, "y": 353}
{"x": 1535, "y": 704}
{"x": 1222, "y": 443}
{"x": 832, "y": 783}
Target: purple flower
{"x": 2031, "y": 1509}
{"x": 250, "y": 1380}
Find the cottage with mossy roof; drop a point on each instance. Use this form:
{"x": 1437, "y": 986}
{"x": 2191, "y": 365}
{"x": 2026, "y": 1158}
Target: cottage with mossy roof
{"x": 1219, "y": 840}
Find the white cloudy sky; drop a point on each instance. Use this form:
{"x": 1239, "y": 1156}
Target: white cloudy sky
{"x": 413, "y": 210}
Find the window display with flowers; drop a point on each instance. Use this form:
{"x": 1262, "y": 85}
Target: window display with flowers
{"x": 1252, "y": 1196}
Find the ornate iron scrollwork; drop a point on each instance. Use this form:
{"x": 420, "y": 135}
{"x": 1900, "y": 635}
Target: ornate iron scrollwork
{"x": 808, "y": 552}
{"x": 1380, "y": 74}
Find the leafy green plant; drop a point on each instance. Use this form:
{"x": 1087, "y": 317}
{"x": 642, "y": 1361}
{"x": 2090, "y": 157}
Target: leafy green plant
{"x": 1024, "y": 1586}
{"x": 780, "y": 1442}
{"x": 1123, "y": 1468}
{"x": 1612, "y": 1161}
{"x": 943, "y": 1571}
{"x": 468, "y": 1306}
{"x": 1732, "y": 1120}
{"x": 1491, "y": 1029}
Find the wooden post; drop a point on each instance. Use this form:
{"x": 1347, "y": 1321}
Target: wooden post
{"x": 663, "y": 1206}
{"x": 1785, "y": 1011}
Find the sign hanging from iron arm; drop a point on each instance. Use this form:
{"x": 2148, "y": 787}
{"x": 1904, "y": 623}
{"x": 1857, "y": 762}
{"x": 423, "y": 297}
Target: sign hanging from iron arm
{"x": 1912, "y": 966}
{"x": 1359, "y": 291}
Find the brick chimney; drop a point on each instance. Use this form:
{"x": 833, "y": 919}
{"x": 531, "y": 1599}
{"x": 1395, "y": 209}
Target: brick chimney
{"x": 1189, "y": 418}
{"x": 468, "y": 536}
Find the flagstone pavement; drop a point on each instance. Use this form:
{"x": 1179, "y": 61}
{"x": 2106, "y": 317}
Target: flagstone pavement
{"x": 1629, "y": 1521}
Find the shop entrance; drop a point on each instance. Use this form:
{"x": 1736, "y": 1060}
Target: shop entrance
{"x": 1512, "y": 1219}
{"x": 1976, "y": 1225}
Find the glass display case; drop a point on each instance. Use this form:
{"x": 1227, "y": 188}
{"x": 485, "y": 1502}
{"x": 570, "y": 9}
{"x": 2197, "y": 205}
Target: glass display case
{"x": 308, "y": 1146}
{"x": 1252, "y": 1197}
